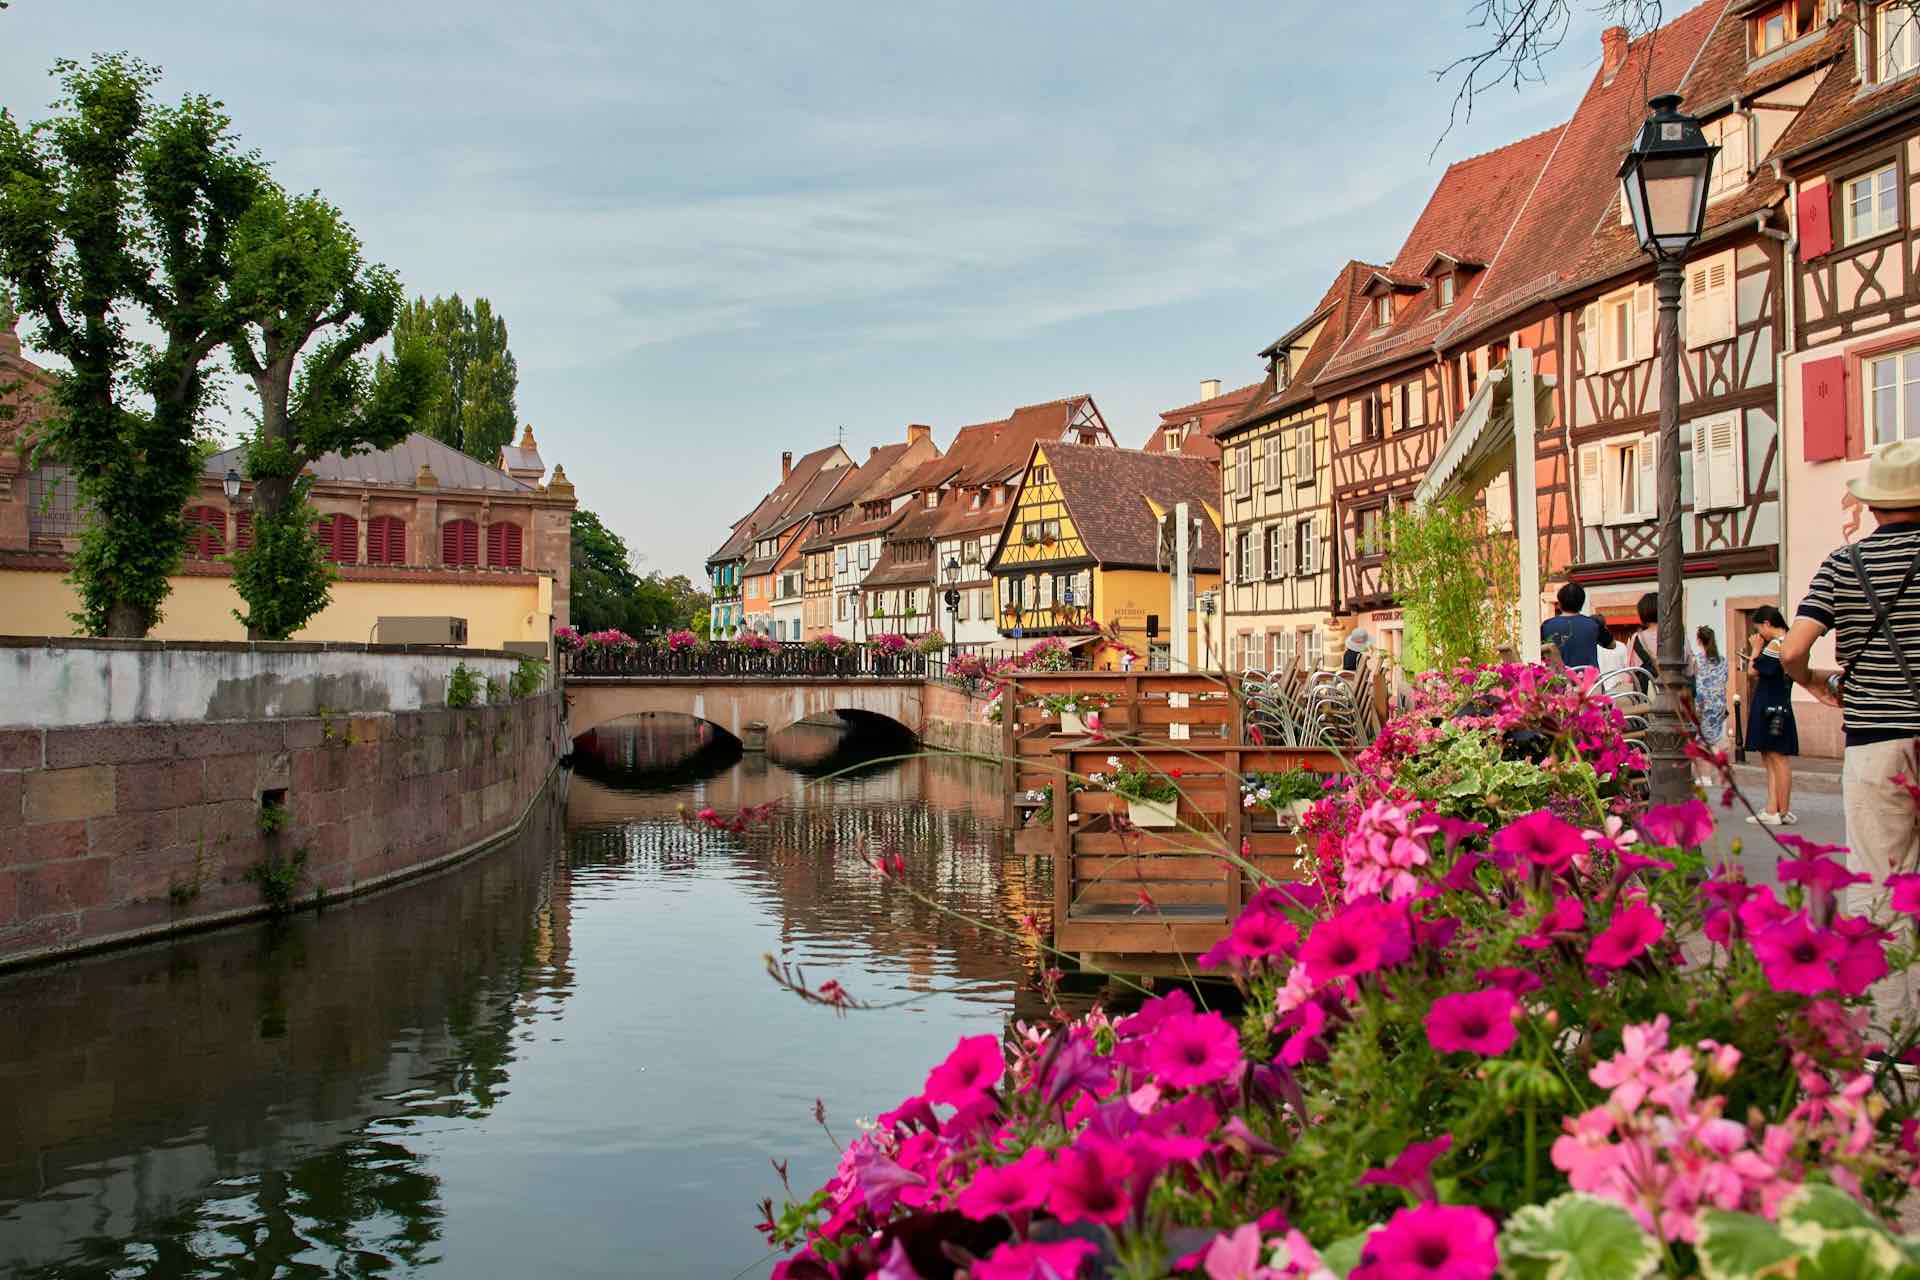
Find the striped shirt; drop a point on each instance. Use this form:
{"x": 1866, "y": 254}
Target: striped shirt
{"x": 1879, "y": 705}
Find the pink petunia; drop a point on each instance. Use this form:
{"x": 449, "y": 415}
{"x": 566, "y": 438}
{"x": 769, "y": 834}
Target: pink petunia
{"x": 1412, "y": 1169}
{"x": 1518, "y": 981}
{"x": 1431, "y": 1242}
{"x": 1031, "y": 1260}
{"x": 1678, "y": 826}
{"x": 1565, "y": 916}
{"x": 1090, "y": 1183}
{"x": 1237, "y": 1256}
{"x": 1631, "y": 931}
{"x": 1864, "y": 961}
{"x": 1797, "y": 957}
{"x": 1007, "y": 1188}
{"x": 975, "y": 1066}
{"x": 1542, "y": 839}
{"x": 1262, "y": 935}
{"x": 1906, "y": 893}
{"x": 1193, "y": 1049}
{"x": 1344, "y": 946}
{"x": 1473, "y": 1022}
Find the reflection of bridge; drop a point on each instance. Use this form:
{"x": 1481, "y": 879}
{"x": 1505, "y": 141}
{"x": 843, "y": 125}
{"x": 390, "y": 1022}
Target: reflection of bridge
{"x": 745, "y": 706}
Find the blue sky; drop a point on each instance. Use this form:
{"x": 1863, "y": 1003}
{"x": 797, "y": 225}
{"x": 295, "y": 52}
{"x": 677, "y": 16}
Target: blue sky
{"x": 722, "y": 230}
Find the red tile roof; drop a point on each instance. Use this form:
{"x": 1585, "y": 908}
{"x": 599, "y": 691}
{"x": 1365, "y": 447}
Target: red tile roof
{"x": 1340, "y": 308}
{"x": 1106, "y": 492}
{"x": 777, "y": 505}
{"x": 1201, "y": 418}
{"x": 1468, "y": 217}
{"x": 1840, "y": 107}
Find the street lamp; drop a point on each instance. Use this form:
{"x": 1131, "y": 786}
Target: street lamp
{"x": 230, "y": 485}
{"x": 953, "y": 601}
{"x": 1664, "y": 182}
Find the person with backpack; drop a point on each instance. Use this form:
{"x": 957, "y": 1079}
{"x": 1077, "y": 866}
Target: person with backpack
{"x": 1866, "y": 594}
{"x": 1772, "y": 732}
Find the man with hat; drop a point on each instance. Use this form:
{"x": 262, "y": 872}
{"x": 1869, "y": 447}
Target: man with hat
{"x": 1866, "y": 593}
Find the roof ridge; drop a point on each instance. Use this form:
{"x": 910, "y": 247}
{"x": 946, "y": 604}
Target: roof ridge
{"x": 1517, "y": 142}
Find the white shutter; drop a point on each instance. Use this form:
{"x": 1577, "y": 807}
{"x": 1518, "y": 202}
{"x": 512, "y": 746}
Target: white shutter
{"x": 1725, "y": 462}
{"x": 1417, "y": 403}
{"x": 1083, "y": 588}
{"x": 1307, "y": 547}
{"x": 1649, "y": 471}
{"x": 1257, "y": 549}
{"x": 1708, "y": 312}
{"x": 1285, "y": 534}
{"x": 1702, "y": 470}
{"x": 1642, "y": 322}
{"x": 1303, "y": 456}
{"x": 1589, "y": 337}
{"x": 1730, "y": 166}
{"x": 1592, "y": 501}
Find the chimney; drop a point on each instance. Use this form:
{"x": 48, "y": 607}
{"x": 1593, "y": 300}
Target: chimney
{"x": 1210, "y": 389}
{"x": 786, "y": 465}
{"x": 1613, "y": 52}
{"x": 916, "y": 432}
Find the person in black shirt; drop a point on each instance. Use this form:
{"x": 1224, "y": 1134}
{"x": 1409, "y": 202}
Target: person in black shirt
{"x": 1875, "y": 687}
{"x": 1578, "y": 637}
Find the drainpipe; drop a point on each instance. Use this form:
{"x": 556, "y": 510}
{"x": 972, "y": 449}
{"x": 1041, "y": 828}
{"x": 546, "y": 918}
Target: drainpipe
{"x": 1789, "y": 298}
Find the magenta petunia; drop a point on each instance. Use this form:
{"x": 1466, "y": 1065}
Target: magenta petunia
{"x": 1906, "y": 893}
{"x": 1565, "y": 916}
{"x": 1090, "y": 1183}
{"x": 1678, "y": 826}
{"x": 1262, "y": 935}
{"x": 1007, "y": 1188}
{"x": 1864, "y": 961}
{"x": 1431, "y": 1242}
{"x": 1821, "y": 876}
{"x": 975, "y": 1066}
{"x": 1797, "y": 957}
{"x": 1632, "y": 930}
{"x": 1412, "y": 1169}
{"x": 1542, "y": 839}
{"x": 1518, "y": 981}
{"x": 1189, "y": 1050}
{"x": 1473, "y": 1022}
{"x": 1455, "y": 831}
{"x": 1344, "y": 946}
{"x": 1032, "y": 1260}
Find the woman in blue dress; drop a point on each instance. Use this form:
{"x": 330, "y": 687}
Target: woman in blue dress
{"x": 1709, "y": 698}
{"x": 1770, "y": 727}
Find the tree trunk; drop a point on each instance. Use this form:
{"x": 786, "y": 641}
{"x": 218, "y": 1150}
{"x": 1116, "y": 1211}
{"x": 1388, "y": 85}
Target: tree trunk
{"x": 270, "y": 495}
{"x": 126, "y": 621}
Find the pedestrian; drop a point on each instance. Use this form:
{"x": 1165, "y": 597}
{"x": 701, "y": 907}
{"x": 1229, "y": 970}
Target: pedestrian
{"x": 1865, "y": 595}
{"x": 1578, "y": 636}
{"x": 1643, "y": 650}
{"x": 1709, "y": 697}
{"x": 1771, "y": 730}
{"x": 1357, "y": 643}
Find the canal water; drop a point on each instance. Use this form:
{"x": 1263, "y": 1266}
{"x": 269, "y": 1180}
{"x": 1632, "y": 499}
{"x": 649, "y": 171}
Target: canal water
{"x": 564, "y": 1058}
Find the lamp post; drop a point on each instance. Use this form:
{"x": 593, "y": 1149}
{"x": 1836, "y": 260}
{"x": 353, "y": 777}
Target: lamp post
{"x": 953, "y": 601}
{"x": 1664, "y": 182}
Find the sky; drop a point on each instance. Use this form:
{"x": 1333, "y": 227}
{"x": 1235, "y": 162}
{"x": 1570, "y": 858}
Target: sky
{"x": 718, "y": 231}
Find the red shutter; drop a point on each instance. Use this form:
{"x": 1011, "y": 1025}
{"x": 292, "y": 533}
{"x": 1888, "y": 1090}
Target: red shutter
{"x": 206, "y": 532}
{"x": 1816, "y": 221}
{"x": 242, "y": 530}
{"x": 503, "y": 546}
{"x": 460, "y": 543}
{"x": 386, "y": 540}
{"x": 1823, "y": 409}
{"x": 342, "y": 536}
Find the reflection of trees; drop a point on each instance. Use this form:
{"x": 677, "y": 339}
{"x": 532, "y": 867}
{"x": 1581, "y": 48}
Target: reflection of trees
{"x": 241, "y": 1102}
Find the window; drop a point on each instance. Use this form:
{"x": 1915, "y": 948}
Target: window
{"x": 206, "y": 532}
{"x": 1617, "y": 481}
{"x": 1383, "y": 310}
{"x": 1871, "y": 205}
{"x": 503, "y": 545}
{"x": 1893, "y": 398}
{"x": 1276, "y": 550}
{"x": 54, "y": 509}
{"x": 1729, "y": 133}
{"x": 1304, "y": 548}
{"x": 969, "y": 552}
{"x": 339, "y": 536}
{"x": 1000, "y": 496}
{"x": 1897, "y": 39}
{"x": 1303, "y": 460}
{"x": 1769, "y": 31}
{"x": 866, "y": 556}
{"x": 1243, "y": 556}
{"x": 1369, "y": 414}
{"x": 1618, "y": 329}
{"x": 1410, "y": 404}
{"x": 933, "y": 499}
{"x": 460, "y": 545}
{"x": 1273, "y": 459}
{"x": 1446, "y": 291}
{"x": 1709, "y": 316}
{"x": 1500, "y": 503}
{"x": 1243, "y": 471}
{"x": 386, "y": 540}
{"x": 1370, "y": 531}
{"x": 1718, "y": 481}
{"x": 974, "y": 500}
{"x": 839, "y": 559}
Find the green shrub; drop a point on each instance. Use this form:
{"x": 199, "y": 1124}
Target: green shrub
{"x": 463, "y": 686}
{"x": 528, "y": 678}
{"x": 279, "y": 879}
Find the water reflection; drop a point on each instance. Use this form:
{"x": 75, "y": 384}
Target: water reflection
{"x": 561, "y": 1057}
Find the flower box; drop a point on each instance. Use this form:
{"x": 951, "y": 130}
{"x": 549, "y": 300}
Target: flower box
{"x": 1072, "y": 725}
{"x": 1153, "y": 815}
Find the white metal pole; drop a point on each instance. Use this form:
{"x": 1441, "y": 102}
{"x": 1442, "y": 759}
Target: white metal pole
{"x": 1526, "y": 521}
{"x": 1182, "y": 571}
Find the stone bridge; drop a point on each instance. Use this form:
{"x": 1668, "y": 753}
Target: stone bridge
{"x": 749, "y": 708}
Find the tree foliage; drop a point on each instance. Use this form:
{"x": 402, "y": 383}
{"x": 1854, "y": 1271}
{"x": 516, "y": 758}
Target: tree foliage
{"x": 476, "y": 376}
{"x": 606, "y": 592}
{"x": 300, "y": 278}
{"x": 1457, "y": 581}
{"x": 116, "y": 207}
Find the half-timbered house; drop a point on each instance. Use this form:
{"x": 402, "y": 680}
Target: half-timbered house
{"x": 1190, "y": 429}
{"x": 1276, "y": 495}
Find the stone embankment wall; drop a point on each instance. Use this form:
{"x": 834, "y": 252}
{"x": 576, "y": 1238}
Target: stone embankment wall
{"x": 954, "y": 720}
{"x": 120, "y": 830}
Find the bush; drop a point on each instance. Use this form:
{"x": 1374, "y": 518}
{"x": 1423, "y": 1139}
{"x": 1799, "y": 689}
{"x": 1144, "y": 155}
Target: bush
{"x": 1546, "y": 1040}
{"x": 528, "y": 678}
{"x": 282, "y": 576}
{"x": 1458, "y": 583}
{"x": 931, "y": 644}
{"x": 463, "y": 686}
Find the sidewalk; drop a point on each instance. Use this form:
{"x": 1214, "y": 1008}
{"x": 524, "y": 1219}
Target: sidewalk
{"x": 1811, "y": 775}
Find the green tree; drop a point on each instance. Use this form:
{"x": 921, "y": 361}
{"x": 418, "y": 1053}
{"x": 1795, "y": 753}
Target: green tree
{"x": 605, "y": 592}
{"x": 300, "y": 278}
{"x": 475, "y": 411}
{"x": 1457, "y": 581}
{"x": 114, "y": 209}
{"x": 689, "y": 601}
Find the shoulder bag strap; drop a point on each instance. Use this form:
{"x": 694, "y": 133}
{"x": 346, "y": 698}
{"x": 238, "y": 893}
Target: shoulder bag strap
{"x": 1882, "y": 614}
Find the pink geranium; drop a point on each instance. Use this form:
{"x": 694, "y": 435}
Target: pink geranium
{"x": 1189, "y": 1050}
{"x": 1032, "y": 1260}
{"x": 975, "y": 1066}
{"x": 1542, "y": 839}
{"x": 1007, "y": 1188}
{"x": 1431, "y": 1242}
{"x": 1473, "y": 1022}
{"x": 1631, "y": 931}
{"x": 1090, "y": 1183}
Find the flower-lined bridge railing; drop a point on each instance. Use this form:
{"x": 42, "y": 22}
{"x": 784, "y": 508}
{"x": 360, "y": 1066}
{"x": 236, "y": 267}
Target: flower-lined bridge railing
{"x": 769, "y": 661}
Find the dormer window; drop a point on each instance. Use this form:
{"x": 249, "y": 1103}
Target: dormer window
{"x": 1896, "y": 39}
{"x": 1282, "y": 374}
{"x": 1446, "y": 292}
{"x": 1779, "y": 25}
{"x": 1383, "y": 310}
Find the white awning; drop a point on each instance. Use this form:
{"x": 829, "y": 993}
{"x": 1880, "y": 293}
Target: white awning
{"x": 1481, "y": 445}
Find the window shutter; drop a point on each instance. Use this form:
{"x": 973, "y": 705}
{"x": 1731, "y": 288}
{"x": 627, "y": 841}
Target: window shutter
{"x": 1642, "y": 322}
{"x": 1823, "y": 409}
{"x": 1083, "y": 588}
{"x": 1649, "y": 474}
{"x": 1730, "y": 166}
{"x": 242, "y": 530}
{"x": 1417, "y": 403}
{"x": 1814, "y": 220}
{"x": 1592, "y": 500}
{"x": 460, "y": 543}
{"x": 1589, "y": 337}
{"x": 503, "y": 545}
{"x": 1045, "y": 597}
{"x": 1725, "y": 461}
{"x": 1257, "y": 554}
{"x": 1708, "y": 316}
{"x": 1702, "y": 466}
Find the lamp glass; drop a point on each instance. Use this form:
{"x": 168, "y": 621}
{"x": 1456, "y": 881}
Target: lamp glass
{"x": 230, "y": 484}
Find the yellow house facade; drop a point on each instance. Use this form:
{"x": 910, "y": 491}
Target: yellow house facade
{"x": 1087, "y": 553}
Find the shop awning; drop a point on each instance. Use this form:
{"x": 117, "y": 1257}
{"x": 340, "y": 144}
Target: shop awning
{"x": 1481, "y": 445}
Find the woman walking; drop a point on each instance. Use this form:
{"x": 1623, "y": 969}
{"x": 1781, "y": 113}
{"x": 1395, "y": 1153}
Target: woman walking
{"x": 1770, "y": 727}
{"x": 1709, "y": 698}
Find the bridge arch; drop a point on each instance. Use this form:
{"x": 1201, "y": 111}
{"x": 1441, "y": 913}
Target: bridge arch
{"x": 735, "y": 704}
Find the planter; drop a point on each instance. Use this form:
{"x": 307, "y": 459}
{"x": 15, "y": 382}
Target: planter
{"x": 1298, "y": 810}
{"x": 1153, "y": 815}
{"x": 1072, "y": 725}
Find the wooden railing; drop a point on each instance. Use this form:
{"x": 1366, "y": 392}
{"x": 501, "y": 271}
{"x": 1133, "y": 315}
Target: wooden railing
{"x": 778, "y": 660}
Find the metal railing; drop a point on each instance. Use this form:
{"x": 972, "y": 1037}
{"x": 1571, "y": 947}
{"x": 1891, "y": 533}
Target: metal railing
{"x": 779, "y": 660}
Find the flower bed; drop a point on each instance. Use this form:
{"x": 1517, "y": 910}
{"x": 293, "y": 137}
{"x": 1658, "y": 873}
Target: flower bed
{"x": 1512, "y": 1026}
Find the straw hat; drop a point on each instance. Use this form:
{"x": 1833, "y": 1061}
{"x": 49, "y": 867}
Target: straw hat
{"x": 1360, "y": 639}
{"x": 1892, "y": 479}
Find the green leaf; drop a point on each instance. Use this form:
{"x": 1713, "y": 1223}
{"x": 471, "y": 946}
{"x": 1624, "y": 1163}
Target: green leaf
{"x": 1823, "y": 1205}
{"x": 1857, "y": 1253}
{"x": 1581, "y": 1237}
{"x": 1342, "y": 1256}
{"x": 1742, "y": 1246}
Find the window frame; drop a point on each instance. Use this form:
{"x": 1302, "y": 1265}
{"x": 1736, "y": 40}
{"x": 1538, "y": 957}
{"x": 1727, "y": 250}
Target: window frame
{"x": 1243, "y": 558}
{"x": 1897, "y": 358}
{"x": 1276, "y": 541}
{"x": 1443, "y": 292}
{"x": 1850, "y": 237}
{"x": 1383, "y": 310}
{"x": 1883, "y": 71}
{"x": 1363, "y": 549}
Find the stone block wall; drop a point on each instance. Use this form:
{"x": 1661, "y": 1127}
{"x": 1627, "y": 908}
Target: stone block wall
{"x": 114, "y": 832}
{"x": 954, "y": 720}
